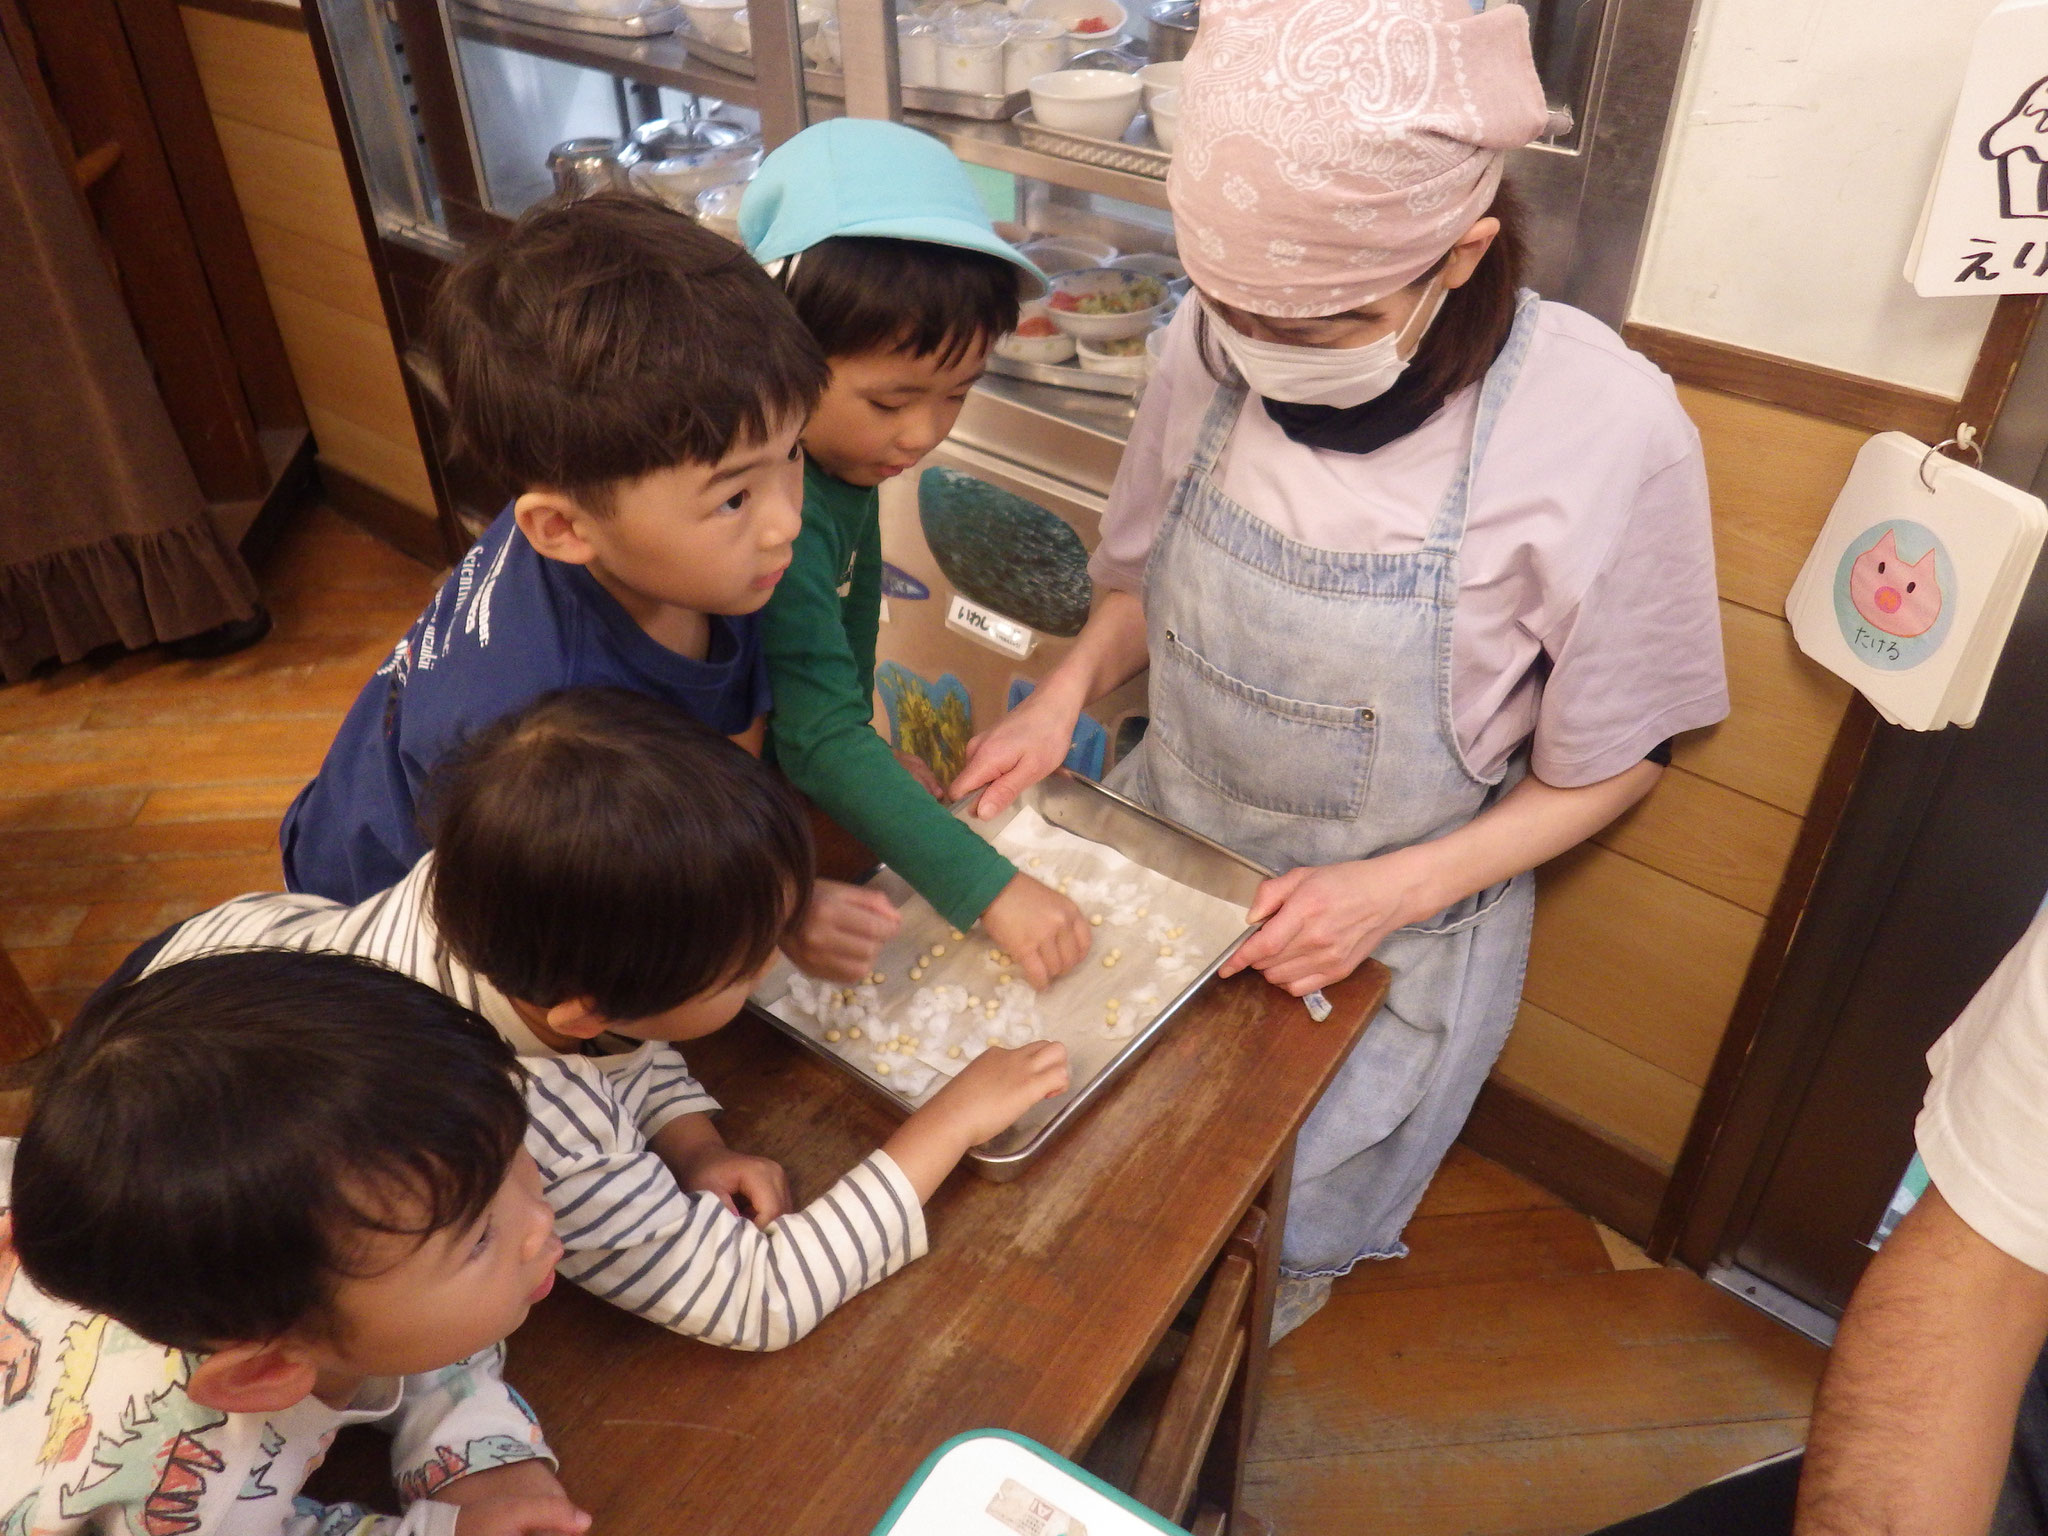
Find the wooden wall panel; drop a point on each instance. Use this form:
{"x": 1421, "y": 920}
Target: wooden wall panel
{"x": 1600, "y": 1082}
{"x": 289, "y": 182}
{"x": 316, "y": 270}
{"x": 1710, "y": 836}
{"x": 259, "y": 74}
{"x": 1784, "y": 711}
{"x": 279, "y": 141}
{"x": 1642, "y": 960}
{"x": 345, "y": 363}
{"x": 1773, "y": 474}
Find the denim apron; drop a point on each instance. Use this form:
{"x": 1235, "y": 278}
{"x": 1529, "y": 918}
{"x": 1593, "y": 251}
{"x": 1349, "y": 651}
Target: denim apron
{"x": 1301, "y": 714}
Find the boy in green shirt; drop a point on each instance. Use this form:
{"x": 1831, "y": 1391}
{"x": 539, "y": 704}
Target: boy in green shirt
{"x": 890, "y": 259}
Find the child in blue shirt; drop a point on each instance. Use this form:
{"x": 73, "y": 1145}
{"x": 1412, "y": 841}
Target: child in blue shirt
{"x": 642, "y": 384}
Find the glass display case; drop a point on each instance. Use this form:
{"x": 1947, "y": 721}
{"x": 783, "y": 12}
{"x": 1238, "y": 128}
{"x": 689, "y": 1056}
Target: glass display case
{"x": 455, "y": 111}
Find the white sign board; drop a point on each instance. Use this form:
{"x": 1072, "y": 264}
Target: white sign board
{"x": 1985, "y": 229}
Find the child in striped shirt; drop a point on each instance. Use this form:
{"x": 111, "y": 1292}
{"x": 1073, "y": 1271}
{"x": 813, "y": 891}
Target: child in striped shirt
{"x": 605, "y": 871}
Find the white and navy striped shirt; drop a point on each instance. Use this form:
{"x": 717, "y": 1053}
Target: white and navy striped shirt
{"x": 634, "y": 1236}
{"x": 684, "y": 1260}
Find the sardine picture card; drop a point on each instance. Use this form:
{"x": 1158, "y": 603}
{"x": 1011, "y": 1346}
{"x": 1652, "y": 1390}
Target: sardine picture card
{"x": 1911, "y": 588}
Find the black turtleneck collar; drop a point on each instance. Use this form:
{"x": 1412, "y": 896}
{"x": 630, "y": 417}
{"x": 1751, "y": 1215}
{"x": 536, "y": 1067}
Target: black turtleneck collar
{"x": 1360, "y": 428}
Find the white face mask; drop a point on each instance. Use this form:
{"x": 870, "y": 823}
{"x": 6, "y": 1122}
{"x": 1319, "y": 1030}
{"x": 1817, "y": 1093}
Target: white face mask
{"x": 1338, "y": 376}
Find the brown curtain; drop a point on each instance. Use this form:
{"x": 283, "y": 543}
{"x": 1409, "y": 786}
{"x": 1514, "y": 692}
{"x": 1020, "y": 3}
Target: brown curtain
{"x": 104, "y": 536}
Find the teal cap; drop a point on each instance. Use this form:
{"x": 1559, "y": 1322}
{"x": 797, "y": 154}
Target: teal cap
{"x": 862, "y": 176}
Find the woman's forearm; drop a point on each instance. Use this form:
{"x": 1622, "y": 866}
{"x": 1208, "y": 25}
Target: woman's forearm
{"x": 1109, "y": 652}
{"x": 1530, "y": 824}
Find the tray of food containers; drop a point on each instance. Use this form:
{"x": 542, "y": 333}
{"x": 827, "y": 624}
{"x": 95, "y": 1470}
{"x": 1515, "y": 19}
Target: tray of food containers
{"x": 1099, "y": 329}
{"x": 1103, "y": 117}
{"x": 961, "y": 60}
{"x": 1165, "y": 908}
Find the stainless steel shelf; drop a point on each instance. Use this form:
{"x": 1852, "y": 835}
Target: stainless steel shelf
{"x": 667, "y": 61}
{"x": 997, "y": 146}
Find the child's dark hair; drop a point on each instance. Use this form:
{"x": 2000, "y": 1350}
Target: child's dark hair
{"x": 602, "y": 844}
{"x": 866, "y": 293}
{"x": 601, "y": 340}
{"x": 210, "y": 1141}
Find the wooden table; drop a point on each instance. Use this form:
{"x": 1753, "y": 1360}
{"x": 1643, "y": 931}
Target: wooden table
{"x": 1035, "y": 1309}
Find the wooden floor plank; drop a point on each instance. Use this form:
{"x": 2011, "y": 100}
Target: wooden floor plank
{"x": 130, "y": 922}
{"x": 1486, "y": 1247}
{"x": 1559, "y": 1487}
{"x": 209, "y": 881}
{"x": 32, "y": 925}
{"x": 1467, "y": 1184}
{"x": 108, "y": 806}
{"x": 1529, "y": 1360}
{"x": 264, "y": 799}
{"x": 163, "y": 839}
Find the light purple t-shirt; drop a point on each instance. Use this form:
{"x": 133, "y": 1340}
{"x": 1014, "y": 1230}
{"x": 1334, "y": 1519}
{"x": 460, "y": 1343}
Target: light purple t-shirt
{"x": 1588, "y": 544}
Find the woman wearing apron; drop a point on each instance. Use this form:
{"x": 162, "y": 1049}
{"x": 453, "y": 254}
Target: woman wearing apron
{"x": 1421, "y": 565}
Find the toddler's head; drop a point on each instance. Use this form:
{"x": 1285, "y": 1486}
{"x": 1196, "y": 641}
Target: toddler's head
{"x": 305, "y": 1167}
{"x": 890, "y": 259}
{"x": 607, "y": 862}
{"x": 640, "y": 383}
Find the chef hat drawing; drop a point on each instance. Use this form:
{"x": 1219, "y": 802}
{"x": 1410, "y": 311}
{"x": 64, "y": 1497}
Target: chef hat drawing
{"x": 1331, "y": 150}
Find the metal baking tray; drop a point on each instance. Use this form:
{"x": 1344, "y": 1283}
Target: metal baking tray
{"x": 918, "y": 98}
{"x": 1064, "y": 376}
{"x": 1086, "y": 809}
{"x": 654, "y": 23}
{"x": 1137, "y": 152}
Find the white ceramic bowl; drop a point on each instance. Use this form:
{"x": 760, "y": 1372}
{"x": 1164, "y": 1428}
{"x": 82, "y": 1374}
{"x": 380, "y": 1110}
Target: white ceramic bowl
{"x": 1056, "y": 348}
{"x": 1093, "y": 280}
{"x": 1160, "y": 77}
{"x": 1124, "y": 365}
{"x": 1165, "y": 113}
{"x": 1053, "y": 254}
{"x": 1110, "y": 13}
{"x": 1165, "y": 268}
{"x": 1096, "y": 102}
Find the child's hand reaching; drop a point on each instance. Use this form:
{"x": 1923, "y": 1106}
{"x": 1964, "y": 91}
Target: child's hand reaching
{"x": 983, "y": 1100}
{"x": 736, "y": 1176}
{"x": 1043, "y": 931}
{"x": 524, "y": 1499}
{"x": 702, "y": 1163}
{"x": 843, "y": 932}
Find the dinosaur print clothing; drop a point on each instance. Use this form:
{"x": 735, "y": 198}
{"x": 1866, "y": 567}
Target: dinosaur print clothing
{"x": 97, "y": 1434}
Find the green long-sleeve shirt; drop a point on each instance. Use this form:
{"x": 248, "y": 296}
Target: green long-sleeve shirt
{"x": 819, "y": 631}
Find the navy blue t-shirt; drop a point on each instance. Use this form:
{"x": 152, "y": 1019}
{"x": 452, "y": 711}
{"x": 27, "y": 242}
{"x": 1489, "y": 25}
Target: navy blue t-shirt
{"x": 506, "y": 627}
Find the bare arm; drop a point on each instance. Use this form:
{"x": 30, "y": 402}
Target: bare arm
{"x": 1323, "y": 920}
{"x": 1032, "y": 739}
{"x": 1914, "y": 1423}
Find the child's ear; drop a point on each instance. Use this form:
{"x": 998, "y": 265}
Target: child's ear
{"x": 252, "y": 1378}
{"x": 578, "y": 1018}
{"x": 553, "y": 525}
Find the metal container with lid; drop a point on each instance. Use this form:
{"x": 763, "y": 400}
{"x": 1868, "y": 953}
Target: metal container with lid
{"x": 583, "y": 166}
{"x": 674, "y": 160}
{"x": 1172, "y": 24}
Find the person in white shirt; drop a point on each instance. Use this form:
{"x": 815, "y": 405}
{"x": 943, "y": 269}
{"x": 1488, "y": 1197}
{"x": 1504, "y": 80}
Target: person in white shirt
{"x": 261, "y": 1197}
{"x": 1937, "y": 1360}
{"x": 609, "y": 877}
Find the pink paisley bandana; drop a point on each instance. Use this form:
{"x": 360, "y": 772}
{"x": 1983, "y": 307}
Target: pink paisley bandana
{"x": 1331, "y": 150}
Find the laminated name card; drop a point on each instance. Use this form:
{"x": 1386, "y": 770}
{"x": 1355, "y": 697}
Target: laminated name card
{"x": 1911, "y": 589}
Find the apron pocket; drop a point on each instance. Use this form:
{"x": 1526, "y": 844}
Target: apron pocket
{"x": 1258, "y": 748}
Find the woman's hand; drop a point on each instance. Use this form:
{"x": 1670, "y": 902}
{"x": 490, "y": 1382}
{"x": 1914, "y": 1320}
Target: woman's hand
{"x": 1018, "y": 750}
{"x": 843, "y": 932}
{"x": 1323, "y": 920}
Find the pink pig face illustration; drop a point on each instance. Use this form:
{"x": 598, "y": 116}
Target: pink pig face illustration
{"x": 1898, "y": 598}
